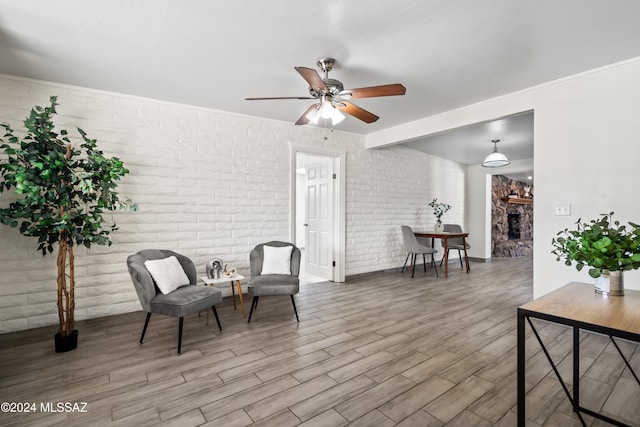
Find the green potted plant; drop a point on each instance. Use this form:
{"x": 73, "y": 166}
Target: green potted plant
{"x": 62, "y": 192}
{"x": 439, "y": 209}
{"x": 604, "y": 245}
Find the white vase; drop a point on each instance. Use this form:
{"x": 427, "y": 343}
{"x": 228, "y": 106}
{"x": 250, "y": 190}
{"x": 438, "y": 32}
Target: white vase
{"x": 438, "y": 227}
{"x": 602, "y": 284}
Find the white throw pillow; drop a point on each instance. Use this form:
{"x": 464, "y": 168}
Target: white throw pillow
{"x": 277, "y": 260}
{"x": 167, "y": 273}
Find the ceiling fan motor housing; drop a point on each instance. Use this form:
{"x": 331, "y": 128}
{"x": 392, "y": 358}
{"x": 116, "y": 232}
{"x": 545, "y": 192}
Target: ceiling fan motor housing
{"x": 334, "y": 86}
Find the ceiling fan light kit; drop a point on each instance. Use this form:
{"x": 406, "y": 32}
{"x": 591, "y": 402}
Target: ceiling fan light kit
{"x": 315, "y": 114}
{"x": 333, "y": 97}
{"x": 495, "y": 159}
{"x": 337, "y": 117}
{"x": 326, "y": 109}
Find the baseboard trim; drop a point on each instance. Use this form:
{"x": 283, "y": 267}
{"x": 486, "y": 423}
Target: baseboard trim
{"x": 373, "y": 274}
{"x": 398, "y": 269}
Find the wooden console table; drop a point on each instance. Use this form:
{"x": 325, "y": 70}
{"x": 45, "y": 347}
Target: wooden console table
{"x": 578, "y": 306}
{"x": 445, "y": 236}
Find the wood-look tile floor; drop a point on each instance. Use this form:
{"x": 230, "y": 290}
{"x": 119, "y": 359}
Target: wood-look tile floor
{"x": 380, "y": 351}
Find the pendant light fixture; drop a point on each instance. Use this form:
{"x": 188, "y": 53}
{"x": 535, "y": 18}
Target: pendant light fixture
{"x": 495, "y": 159}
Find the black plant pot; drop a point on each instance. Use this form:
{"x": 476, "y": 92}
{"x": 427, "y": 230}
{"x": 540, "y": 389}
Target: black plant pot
{"x": 67, "y": 342}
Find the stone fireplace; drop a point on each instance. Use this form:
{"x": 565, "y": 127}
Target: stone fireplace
{"x": 511, "y": 218}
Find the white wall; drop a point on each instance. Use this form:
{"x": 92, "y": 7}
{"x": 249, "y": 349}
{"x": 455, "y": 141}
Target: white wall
{"x": 386, "y": 189}
{"x": 586, "y": 151}
{"x": 208, "y": 184}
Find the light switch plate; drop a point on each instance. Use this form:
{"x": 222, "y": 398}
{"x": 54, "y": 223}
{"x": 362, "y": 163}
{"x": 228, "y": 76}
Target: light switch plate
{"x": 562, "y": 209}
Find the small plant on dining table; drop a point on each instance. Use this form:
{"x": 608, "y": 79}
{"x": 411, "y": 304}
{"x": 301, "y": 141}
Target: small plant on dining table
{"x": 439, "y": 209}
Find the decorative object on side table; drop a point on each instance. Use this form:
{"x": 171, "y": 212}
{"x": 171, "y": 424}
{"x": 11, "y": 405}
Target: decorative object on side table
{"x": 439, "y": 209}
{"x": 63, "y": 192}
{"x": 229, "y": 271}
{"x": 214, "y": 268}
{"x": 604, "y": 245}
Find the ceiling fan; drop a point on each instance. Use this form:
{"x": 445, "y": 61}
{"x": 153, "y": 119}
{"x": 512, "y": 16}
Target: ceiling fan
{"x": 333, "y": 97}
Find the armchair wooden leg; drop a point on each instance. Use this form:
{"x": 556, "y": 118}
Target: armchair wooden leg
{"x": 254, "y": 304}
{"x": 424, "y": 262}
{"x": 460, "y": 255}
{"x": 180, "y": 321}
{"x": 215, "y": 313}
{"x": 294, "y": 307}
{"x": 144, "y": 329}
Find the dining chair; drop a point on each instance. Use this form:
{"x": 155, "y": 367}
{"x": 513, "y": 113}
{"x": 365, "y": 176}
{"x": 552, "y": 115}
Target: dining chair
{"x": 454, "y": 243}
{"x": 414, "y": 248}
{"x": 275, "y": 267}
{"x": 165, "y": 282}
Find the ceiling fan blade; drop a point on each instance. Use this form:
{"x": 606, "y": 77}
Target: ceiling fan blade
{"x": 313, "y": 78}
{"x": 355, "y": 111}
{"x": 373, "y": 91}
{"x": 278, "y": 97}
{"x": 303, "y": 120}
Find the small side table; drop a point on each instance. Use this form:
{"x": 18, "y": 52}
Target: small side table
{"x": 576, "y": 305}
{"x": 235, "y": 278}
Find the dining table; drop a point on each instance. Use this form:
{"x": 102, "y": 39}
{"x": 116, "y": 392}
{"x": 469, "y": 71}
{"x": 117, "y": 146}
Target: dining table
{"x": 445, "y": 236}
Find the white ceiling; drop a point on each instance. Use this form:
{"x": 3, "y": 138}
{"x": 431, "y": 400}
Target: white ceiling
{"x": 469, "y": 145}
{"x": 448, "y": 53}
{"x": 473, "y": 142}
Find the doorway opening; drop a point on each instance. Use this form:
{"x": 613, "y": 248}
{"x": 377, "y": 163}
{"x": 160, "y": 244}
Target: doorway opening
{"x": 512, "y": 214}
{"x": 318, "y": 212}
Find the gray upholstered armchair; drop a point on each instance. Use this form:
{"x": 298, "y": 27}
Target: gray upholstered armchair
{"x": 274, "y": 271}
{"x": 183, "y": 301}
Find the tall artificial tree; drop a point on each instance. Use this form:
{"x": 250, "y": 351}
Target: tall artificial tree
{"x": 63, "y": 190}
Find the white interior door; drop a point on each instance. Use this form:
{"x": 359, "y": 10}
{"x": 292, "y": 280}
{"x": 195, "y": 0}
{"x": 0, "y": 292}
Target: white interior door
{"x": 319, "y": 231}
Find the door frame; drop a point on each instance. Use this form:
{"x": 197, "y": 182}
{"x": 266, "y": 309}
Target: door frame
{"x": 339, "y": 201}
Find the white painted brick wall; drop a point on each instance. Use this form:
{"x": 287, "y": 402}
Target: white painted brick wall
{"x": 208, "y": 184}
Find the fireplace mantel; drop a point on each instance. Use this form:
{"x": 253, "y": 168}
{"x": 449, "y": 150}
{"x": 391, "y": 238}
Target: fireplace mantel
{"x": 518, "y": 200}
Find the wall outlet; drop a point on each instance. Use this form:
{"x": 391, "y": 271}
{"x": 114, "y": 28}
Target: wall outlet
{"x": 562, "y": 209}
